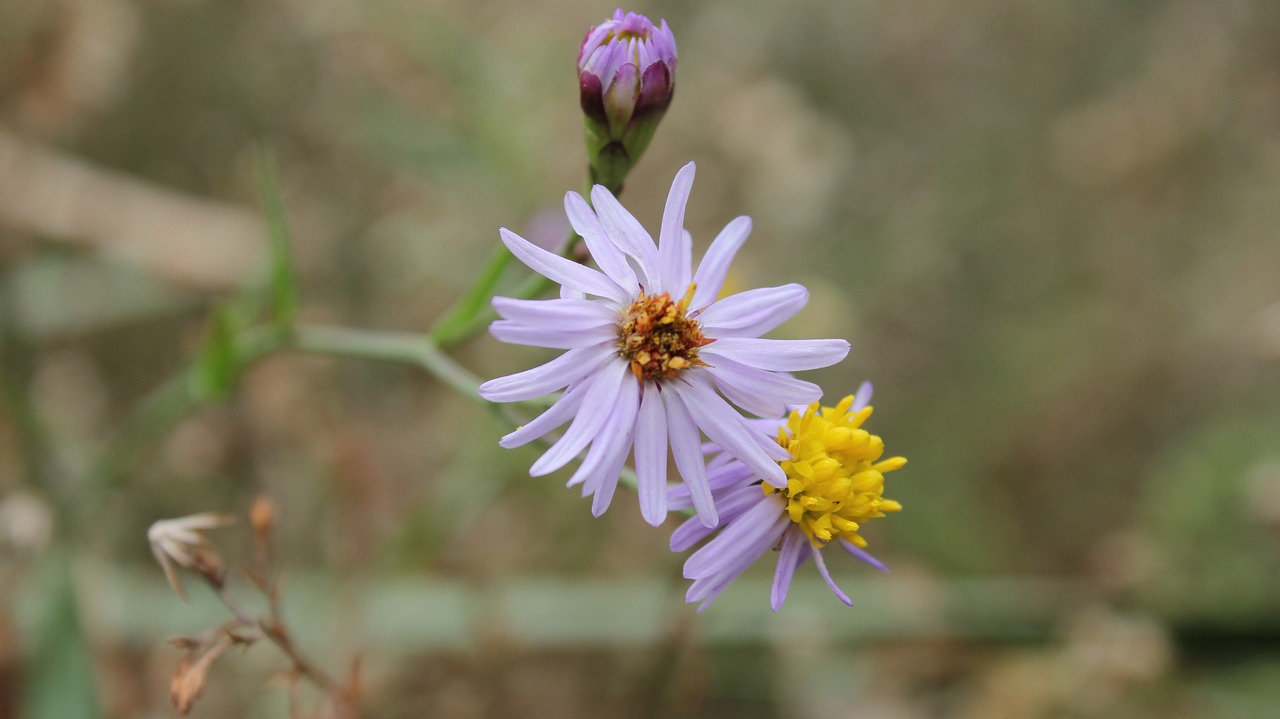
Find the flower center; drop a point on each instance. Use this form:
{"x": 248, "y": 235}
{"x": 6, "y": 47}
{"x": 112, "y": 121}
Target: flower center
{"x": 834, "y": 481}
{"x": 658, "y": 339}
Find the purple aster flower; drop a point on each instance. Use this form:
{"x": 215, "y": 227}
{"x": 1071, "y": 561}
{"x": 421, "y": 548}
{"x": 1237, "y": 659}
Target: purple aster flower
{"x": 835, "y": 483}
{"x": 626, "y": 79}
{"x": 654, "y": 359}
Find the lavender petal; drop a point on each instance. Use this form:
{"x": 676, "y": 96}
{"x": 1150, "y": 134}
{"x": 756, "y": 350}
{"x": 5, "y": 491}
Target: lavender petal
{"x": 686, "y": 447}
{"x": 558, "y": 339}
{"x": 606, "y": 254}
{"x": 561, "y": 314}
{"x": 724, "y": 426}
{"x": 766, "y": 394}
{"x": 630, "y": 237}
{"x": 863, "y": 554}
{"x": 671, "y": 249}
{"x": 779, "y": 355}
{"x": 826, "y": 576}
{"x": 596, "y": 406}
{"x": 715, "y": 264}
{"x": 754, "y": 312}
{"x": 788, "y": 559}
{"x": 561, "y": 270}
{"x": 651, "y": 457}
{"x": 740, "y": 538}
{"x": 546, "y": 378}
{"x": 557, "y": 414}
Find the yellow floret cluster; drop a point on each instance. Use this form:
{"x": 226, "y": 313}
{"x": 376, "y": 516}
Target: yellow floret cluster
{"x": 835, "y": 478}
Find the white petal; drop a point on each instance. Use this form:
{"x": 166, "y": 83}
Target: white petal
{"x": 724, "y": 478}
{"x": 745, "y": 554}
{"x": 547, "y": 378}
{"x": 690, "y": 532}
{"x": 686, "y": 262}
{"x": 603, "y": 494}
{"x": 614, "y": 438}
{"x": 604, "y": 470}
{"x": 740, "y": 540}
{"x": 767, "y": 394}
{"x": 686, "y": 447}
{"x": 629, "y": 235}
{"x": 715, "y": 264}
{"x": 603, "y": 251}
{"x": 826, "y": 576}
{"x": 754, "y": 312}
{"x": 596, "y": 406}
{"x": 863, "y": 554}
{"x": 558, "y": 339}
{"x": 558, "y": 269}
{"x": 557, "y": 414}
{"x": 651, "y": 457}
{"x": 563, "y": 313}
{"x": 726, "y": 427}
{"x": 788, "y": 559}
{"x": 729, "y": 503}
{"x": 779, "y": 355}
{"x": 673, "y": 254}
{"x": 862, "y": 398}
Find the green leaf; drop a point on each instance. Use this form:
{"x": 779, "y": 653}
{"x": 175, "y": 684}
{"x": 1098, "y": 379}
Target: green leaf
{"x": 218, "y": 365}
{"x": 60, "y": 682}
{"x": 281, "y": 280}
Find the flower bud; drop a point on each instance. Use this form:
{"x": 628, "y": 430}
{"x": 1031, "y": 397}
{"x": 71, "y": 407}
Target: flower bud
{"x": 626, "y": 77}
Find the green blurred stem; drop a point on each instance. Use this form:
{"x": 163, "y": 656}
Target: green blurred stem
{"x": 470, "y": 314}
{"x": 174, "y": 399}
{"x": 459, "y": 322}
{"x": 402, "y": 347}
{"x": 534, "y": 286}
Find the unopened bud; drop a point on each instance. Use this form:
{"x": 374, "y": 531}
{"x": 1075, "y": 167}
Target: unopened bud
{"x": 262, "y": 516}
{"x": 626, "y": 78}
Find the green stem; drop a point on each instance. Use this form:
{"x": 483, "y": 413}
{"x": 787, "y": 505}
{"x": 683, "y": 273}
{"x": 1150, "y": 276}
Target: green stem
{"x": 459, "y": 321}
{"x": 174, "y": 399}
{"x": 169, "y": 403}
{"x": 472, "y": 313}
{"x": 402, "y": 347}
{"x": 534, "y": 286}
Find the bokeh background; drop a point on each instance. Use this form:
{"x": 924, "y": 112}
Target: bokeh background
{"x": 1050, "y": 230}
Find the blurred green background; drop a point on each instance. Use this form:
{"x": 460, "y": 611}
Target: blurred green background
{"x": 1051, "y": 232}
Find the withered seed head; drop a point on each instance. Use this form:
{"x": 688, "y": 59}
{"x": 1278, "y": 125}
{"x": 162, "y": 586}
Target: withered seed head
{"x": 658, "y": 338}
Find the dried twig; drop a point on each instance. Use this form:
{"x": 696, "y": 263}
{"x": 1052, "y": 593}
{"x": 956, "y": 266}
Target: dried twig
{"x": 177, "y": 543}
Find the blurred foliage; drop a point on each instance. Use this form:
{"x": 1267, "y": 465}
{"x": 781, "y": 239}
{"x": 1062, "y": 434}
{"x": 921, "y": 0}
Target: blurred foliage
{"x": 1048, "y": 229}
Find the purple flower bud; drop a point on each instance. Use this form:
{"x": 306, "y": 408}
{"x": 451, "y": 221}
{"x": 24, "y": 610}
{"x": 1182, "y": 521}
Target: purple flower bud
{"x": 626, "y": 78}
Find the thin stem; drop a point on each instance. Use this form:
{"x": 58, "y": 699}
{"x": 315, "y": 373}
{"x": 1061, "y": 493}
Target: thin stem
{"x": 458, "y": 321}
{"x": 48, "y": 470}
{"x": 274, "y": 630}
{"x": 472, "y": 313}
{"x": 174, "y": 399}
{"x": 534, "y": 286}
{"x": 170, "y": 402}
{"x": 402, "y": 347}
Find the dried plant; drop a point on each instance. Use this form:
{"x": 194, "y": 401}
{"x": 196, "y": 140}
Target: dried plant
{"x": 179, "y": 544}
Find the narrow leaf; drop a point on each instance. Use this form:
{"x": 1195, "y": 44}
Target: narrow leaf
{"x": 61, "y": 683}
{"x": 281, "y": 278}
{"x": 218, "y": 364}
